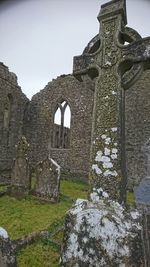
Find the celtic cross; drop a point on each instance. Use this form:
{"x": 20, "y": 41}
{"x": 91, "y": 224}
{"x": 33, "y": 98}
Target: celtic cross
{"x": 116, "y": 66}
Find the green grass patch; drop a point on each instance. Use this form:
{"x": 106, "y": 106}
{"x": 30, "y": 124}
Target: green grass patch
{"x": 38, "y": 255}
{"x": 73, "y": 189}
{"x": 21, "y": 217}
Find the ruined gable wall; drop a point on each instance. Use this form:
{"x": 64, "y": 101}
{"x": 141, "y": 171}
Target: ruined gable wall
{"x": 39, "y": 123}
{"x": 12, "y": 105}
{"x": 137, "y": 128}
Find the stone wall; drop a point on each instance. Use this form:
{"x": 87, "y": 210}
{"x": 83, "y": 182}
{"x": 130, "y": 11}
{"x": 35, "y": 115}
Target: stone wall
{"x": 12, "y": 105}
{"x": 137, "y": 128}
{"x": 39, "y": 123}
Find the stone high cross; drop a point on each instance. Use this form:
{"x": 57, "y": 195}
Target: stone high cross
{"x": 116, "y": 65}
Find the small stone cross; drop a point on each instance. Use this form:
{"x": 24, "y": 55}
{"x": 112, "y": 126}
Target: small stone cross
{"x": 116, "y": 66}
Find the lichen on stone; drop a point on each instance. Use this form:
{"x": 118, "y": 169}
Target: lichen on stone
{"x": 106, "y": 156}
{"x": 96, "y": 169}
{"x": 99, "y": 232}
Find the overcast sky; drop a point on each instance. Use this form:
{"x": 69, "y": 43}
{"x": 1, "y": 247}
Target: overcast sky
{"x": 38, "y": 38}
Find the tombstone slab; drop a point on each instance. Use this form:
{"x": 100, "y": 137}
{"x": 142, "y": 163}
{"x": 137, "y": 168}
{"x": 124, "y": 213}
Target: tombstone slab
{"x": 47, "y": 180}
{"x": 20, "y": 181}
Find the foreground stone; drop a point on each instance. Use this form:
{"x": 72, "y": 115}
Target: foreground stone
{"x": 7, "y": 255}
{"x": 48, "y": 179}
{"x": 100, "y": 232}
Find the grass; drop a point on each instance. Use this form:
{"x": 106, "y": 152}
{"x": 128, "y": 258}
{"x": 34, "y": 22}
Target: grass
{"x": 21, "y": 217}
{"x": 38, "y": 255}
{"x": 29, "y": 215}
{"x": 74, "y": 190}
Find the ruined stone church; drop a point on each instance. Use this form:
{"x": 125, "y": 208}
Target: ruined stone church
{"x": 70, "y": 145}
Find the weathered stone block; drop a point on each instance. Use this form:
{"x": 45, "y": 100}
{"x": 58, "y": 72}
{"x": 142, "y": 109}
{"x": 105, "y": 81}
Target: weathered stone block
{"x": 48, "y": 179}
{"x": 101, "y": 233}
{"x": 7, "y": 256}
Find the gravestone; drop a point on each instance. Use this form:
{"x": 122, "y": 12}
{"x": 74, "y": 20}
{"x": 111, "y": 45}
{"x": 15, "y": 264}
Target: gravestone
{"x": 7, "y": 255}
{"x": 100, "y": 231}
{"x": 20, "y": 182}
{"x": 47, "y": 180}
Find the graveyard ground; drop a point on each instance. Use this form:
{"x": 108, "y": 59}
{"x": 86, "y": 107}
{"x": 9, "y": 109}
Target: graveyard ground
{"x": 23, "y": 217}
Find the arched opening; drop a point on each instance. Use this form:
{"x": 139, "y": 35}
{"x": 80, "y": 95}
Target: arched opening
{"x": 62, "y": 122}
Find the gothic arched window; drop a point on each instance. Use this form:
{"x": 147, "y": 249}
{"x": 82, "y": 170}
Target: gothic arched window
{"x": 62, "y": 121}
